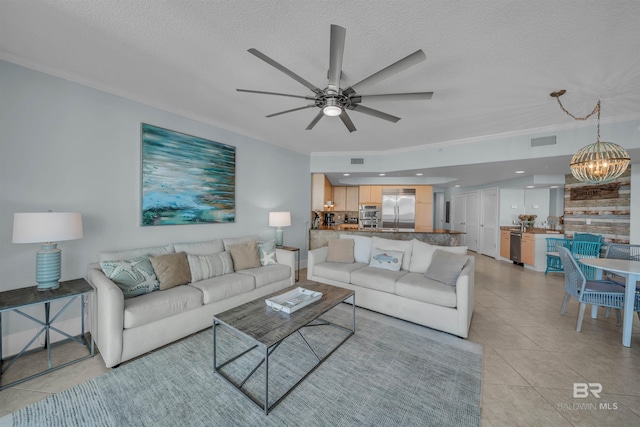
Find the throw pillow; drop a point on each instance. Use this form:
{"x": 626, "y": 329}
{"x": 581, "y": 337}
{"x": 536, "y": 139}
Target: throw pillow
{"x": 134, "y": 276}
{"x": 341, "y": 250}
{"x": 171, "y": 269}
{"x": 405, "y": 246}
{"x": 423, "y": 253}
{"x": 386, "y": 259}
{"x": 208, "y": 266}
{"x": 362, "y": 248}
{"x": 446, "y": 267}
{"x": 267, "y": 252}
{"x": 245, "y": 255}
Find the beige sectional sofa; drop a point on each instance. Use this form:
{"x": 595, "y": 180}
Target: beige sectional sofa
{"x": 124, "y": 328}
{"x": 407, "y": 293}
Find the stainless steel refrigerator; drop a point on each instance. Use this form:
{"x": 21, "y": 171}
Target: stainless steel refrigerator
{"x": 399, "y": 208}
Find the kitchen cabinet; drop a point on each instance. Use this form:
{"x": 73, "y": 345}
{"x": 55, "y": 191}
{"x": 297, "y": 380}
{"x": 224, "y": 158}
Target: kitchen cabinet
{"x": 424, "y": 194}
{"x": 370, "y": 194}
{"x": 339, "y": 199}
{"x": 505, "y": 242}
{"x": 528, "y": 254}
{"x": 352, "y": 199}
{"x": 321, "y": 191}
{"x": 424, "y": 215}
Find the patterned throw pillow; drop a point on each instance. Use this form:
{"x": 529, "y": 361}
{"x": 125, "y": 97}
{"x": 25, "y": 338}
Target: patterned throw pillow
{"x": 386, "y": 259}
{"x": 134, "y": 276}
{"x": 267, "y": 252}
{"x": 208, "y": 266}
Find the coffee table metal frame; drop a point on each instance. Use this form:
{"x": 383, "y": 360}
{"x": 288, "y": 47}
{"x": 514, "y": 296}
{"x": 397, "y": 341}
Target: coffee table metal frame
{"x": 268, "y": 349}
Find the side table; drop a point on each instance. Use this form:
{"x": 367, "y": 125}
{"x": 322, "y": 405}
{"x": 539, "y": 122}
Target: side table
{"x": 297, "y": 251}
{"x": 17, "y": 299}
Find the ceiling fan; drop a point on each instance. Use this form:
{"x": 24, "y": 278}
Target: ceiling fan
{"x": 334, "y": 100}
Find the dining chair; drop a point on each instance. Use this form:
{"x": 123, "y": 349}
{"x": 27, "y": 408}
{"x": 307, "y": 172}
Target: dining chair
{"x": 583, "y": 249}
{"x": 603, "y": 293}
{"x": 553, "y": 259}
{"x": 628, "y": 252}
{"x": 587, "y": 237}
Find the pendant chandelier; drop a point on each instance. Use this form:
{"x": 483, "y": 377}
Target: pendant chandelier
{"x": 600, "y": 162}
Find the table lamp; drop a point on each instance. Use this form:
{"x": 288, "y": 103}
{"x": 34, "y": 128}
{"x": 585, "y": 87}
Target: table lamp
{"x": 47, "y": 228}
{"x": 279, "y": 220}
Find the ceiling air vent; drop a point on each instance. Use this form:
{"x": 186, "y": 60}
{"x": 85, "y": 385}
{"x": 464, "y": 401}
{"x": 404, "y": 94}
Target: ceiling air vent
{"x": 360, "y": 161}
{"x": 543, "y": 140}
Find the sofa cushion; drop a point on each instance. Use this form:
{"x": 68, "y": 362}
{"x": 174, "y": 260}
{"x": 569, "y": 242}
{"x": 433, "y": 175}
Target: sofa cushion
{"x": 446, "y": 267}
{"x": 134, "y": 276}
{"x": 171, "y": 269}
{"x": 376, "y": 278}
{"x": 200, "y": 248}
{"x": 244, "y": 255}
{"x": 417, "y": 287}
{"x": 223, "y": 287}
{"x": 362, "y": 247}
{"x": 159, "y": 305}
{"x": 268, "y": 274}
{"x": 340, "y": 250}
{"x": 337, "y": 271}
{"x": 267, "y": 252}
{"x": 405, "y": 246}
{"x": 386, "y": 259}
{"x": 212, "y": 265}
{"x": 423, "y": 252}
{"x": 134, "y": 253}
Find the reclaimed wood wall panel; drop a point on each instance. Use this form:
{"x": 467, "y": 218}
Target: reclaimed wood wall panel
{"x": 610, "y": 216}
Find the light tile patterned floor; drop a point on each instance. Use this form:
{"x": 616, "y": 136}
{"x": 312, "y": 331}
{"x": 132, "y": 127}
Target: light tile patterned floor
{"x": 532, "y": 357}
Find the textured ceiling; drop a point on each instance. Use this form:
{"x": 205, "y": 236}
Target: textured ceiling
{"x": 491, "y": 64}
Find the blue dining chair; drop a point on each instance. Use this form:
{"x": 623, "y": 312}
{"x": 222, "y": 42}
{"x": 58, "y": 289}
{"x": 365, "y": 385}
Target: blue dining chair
{"x": 584, "y": 249}
{"x": 553, "y": 259}
{"x": 603, "y": 293}
{"x": 587, "y": 237}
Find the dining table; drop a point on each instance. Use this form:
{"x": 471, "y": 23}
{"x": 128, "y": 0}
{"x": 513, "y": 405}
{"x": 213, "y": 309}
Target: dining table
{"x": 630, "y": 270}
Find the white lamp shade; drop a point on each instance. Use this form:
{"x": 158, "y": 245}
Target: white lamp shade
{"x": 279, "y": 219}
{"x": 39, "y": 227}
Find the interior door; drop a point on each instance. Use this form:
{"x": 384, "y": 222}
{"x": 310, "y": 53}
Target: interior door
{"x": 439, "y": 210}
{"x": 472, "y": 220}
{"x": 489, "y": 222}
{"x": 458, "y": 221}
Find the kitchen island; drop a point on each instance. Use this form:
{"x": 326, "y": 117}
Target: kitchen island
{"x": 320, "y": 237}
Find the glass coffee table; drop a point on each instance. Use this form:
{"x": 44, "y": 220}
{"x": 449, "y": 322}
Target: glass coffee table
{"x": 265, "y": 330}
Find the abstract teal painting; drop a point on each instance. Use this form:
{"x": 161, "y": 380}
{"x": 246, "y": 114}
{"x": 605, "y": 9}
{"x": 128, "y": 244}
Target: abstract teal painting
{"x": 186, "y": 179}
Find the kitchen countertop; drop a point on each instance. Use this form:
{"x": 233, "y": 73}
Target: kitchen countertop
{"x": 434, "y": 236}
{"x": 390, "y": 230}
{"x": 532, "y": 230}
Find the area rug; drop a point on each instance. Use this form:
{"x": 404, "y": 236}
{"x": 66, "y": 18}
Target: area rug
{"x": 386, "y": 374}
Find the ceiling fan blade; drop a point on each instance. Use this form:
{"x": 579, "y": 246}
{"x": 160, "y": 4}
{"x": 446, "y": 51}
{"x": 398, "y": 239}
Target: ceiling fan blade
{"x": 291, "y": 111}
{"x": 315, "y": 120}
{"x": 336, "y": 54}
{"x": 284, "y": 69}
{"x": 375, "y": 113}
{"x": 414, "y": 96}
{"x": 311, "y": 98}
{"x": 406, "y": 62}
{"x": 347, "y": 121}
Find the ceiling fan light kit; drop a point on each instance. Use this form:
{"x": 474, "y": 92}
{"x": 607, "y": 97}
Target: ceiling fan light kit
{"x": 600, "y": 162}
{"x": 333, "y": 100}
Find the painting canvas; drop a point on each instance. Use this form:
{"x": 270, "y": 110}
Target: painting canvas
{"x": 186, "y": 179}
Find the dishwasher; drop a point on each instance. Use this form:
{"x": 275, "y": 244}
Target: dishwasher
{"x": 515, "y": 247}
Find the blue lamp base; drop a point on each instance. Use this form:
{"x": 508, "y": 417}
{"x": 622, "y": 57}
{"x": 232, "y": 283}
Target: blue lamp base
{"x": 279, "y": 237}
{"x": 48, "y": 267}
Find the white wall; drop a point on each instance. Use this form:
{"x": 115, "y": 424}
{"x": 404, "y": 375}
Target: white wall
{"x": 67, "y": 147}
{"x": 537, "y": 202}
{"x": 511, "y": 204}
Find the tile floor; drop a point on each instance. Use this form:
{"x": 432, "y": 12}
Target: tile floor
{"x": 532, "y": 357}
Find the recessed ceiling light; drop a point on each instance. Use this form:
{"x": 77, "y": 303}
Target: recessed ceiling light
{"x": 554, "y": 186}
{"x": 457, "y": 185}
{"x": 418, "y": 174}
{"x": 346, "y": 174}
{"x": 531, "y": 186}
{"x": 382, "y": 174}
{"x": 519, "y": 171}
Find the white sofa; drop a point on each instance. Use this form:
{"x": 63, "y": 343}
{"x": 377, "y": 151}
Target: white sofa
{"x": 406, "y": 294}
{"x": 127, "y": 328}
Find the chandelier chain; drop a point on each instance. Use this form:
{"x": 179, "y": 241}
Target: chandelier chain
{"x": 596, "y": 109}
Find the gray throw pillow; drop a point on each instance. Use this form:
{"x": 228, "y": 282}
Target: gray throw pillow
{"x": 445, "y": 267}
{"x": 208, "y": 266}
{"x": 133, "y": 276}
